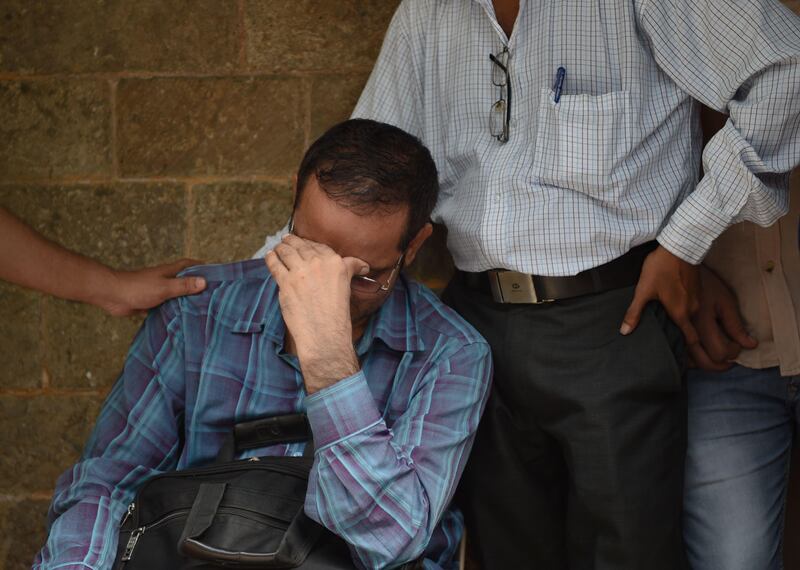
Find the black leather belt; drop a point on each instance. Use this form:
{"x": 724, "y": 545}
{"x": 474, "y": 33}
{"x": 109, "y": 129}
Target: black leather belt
{"x": 514, "y": 287}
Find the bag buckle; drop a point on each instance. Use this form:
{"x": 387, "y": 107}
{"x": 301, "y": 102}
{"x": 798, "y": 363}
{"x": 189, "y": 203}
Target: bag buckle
{"x": 514, "y": 287}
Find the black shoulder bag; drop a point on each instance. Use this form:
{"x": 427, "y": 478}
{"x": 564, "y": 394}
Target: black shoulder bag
{"x": 235, "y": 514}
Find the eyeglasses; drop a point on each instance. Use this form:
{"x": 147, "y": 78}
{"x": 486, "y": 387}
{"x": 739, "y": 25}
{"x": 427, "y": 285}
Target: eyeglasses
{"x": 500, "y": 113}
{"x": 362, "y": 283}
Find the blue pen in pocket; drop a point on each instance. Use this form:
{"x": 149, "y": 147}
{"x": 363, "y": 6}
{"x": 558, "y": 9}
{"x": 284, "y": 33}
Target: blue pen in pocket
{"x": 561, "y": 73}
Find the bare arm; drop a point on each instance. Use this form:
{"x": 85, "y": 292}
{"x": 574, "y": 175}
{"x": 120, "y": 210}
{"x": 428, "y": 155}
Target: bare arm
{"x": 30, "y": 260}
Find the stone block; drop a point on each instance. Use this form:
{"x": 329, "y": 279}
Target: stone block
{"x": 210, "y": 126}
{"x": 114, "y": 35}
{"x": 315, "y": 35}
{"x": 20, "y": 331}
{"x": 84, "y": 347}
{"x": 230, "y": 221}
{"x": 23, "y": 530}
{"x": 55, "y": 128}
{"x": 123, "y": 225}
{"x": 41, "y": 437}
{"x": 126, "y": 226}
{"x": 332, "y": 100}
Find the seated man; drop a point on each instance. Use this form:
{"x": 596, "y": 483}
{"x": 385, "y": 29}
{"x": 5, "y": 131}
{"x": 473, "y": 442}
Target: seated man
{"x": 393, "y": 381}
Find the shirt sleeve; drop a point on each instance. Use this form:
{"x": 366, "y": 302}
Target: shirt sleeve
{"x": 384, "y": 489}
{"x": 135, "y": 437}
{"x": 393, "y": 93}
{"x": 742, "y": 58}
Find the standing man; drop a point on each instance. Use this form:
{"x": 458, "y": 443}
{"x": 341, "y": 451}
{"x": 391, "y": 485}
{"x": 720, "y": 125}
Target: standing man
{"x": 743, "y": 417}
{"x": 568, "y": 145}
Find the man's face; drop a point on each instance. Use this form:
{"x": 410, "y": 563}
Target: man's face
{"x": 373, "y": 238}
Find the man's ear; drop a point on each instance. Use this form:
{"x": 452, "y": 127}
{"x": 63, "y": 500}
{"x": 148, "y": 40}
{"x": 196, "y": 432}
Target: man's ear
{"x": 416, "y": 243}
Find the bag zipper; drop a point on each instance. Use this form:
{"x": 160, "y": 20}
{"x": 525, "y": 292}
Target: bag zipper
{"x": 132, "y": 540}
{"x": 128, "y": 513}
{"x": 239, "y": 511}
{"x": 246, "y": 465}
{"x": 138, "y": 532}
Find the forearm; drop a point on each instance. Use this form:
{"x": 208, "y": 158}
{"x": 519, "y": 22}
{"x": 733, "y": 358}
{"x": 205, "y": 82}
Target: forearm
{"x": 83, "y": 537}
{"x": 384, "y": 489}
{"x": 368, "y": 493}
{"x": 30, "y": 260}
{"x": 323, "y": 368}
{"x": 737, "y": 186}
{"x": 742, "y": 59}
{"x": 363, "y": 487}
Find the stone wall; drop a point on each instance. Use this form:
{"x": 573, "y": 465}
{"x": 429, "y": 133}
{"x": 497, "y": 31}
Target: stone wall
{"x": 138, "y": 132}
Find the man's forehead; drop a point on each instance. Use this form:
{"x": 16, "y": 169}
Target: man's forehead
{"x": 336, "y": 223}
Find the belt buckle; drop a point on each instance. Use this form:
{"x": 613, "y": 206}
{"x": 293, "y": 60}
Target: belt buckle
{"x": 513, "y": 287}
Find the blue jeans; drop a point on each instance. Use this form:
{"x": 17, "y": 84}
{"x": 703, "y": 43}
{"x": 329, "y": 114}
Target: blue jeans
{"x": 741, "y": 426}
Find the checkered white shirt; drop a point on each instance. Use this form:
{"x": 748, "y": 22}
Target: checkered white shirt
{"x": 615, "y": 162}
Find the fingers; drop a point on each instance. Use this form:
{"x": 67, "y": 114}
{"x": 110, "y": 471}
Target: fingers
{"x": 680, "y": 316}
{"x": 304, "y": 248}
{"x": 180, "y": 286}
{"x": 294, "y": 251}
{"x": 288, "y": 255}
{"x": 276, "y": 266}
{"x": 634, "y": 313}
{"x": 733, "y": 325}
{"x": 717, "y": 345}
{"x": 699, "y": 358}
{"x": 678, "y": 307}
{"x": 355, "y": 266}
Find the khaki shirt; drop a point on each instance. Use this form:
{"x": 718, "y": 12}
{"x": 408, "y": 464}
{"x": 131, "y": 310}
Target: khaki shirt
{"x": 762, "y": 266}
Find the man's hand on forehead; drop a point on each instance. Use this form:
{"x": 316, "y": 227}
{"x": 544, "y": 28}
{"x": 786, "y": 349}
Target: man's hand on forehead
{"x": 314, "y": 294}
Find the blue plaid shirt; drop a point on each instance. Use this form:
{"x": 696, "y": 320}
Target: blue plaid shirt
{"x": 391, "y": 440}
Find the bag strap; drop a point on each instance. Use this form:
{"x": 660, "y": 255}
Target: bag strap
{"x": 204, "y": 509}
{"x": 297, "y": 541}
{"x": 289, "y": 428}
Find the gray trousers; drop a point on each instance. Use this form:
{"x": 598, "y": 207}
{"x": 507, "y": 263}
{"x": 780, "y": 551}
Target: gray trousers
{"x": 579, "y": 457}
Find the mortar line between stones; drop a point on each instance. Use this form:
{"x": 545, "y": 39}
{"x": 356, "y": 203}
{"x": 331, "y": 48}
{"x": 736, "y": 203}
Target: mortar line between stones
{"x": 188, "y": 235}
{"x": 217, "y": 74}
{"x": 308, "y": 84}
{"x": 43, "y": 344}
{"x": 60, "y": 181}
{"x": 242, "y": 35}
{"x": 196, "y": 180}
{"x": 37, "y": 392}
{"x": 101, "y": 180}
{"x": 113, "y": 83}
{"x": 26, "y": 496}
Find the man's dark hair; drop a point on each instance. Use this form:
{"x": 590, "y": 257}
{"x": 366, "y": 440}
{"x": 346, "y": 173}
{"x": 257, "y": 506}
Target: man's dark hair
{"x": 369, "y": 166}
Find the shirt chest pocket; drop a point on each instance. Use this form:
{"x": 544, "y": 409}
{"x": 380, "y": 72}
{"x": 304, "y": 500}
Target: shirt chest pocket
{"x": 582, "y": 142}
